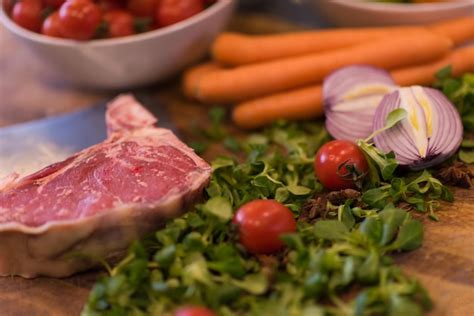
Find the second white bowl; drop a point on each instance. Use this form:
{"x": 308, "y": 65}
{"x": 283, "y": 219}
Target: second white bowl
{"x": 369, "y": 13}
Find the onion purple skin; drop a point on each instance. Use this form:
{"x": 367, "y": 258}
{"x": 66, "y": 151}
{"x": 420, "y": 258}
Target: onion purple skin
{"x": 351, "y": 125}
{"x": 443, "y": 143}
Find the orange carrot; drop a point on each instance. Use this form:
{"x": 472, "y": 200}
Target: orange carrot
{"x": 305, "y": 103}
{"x": 297, "y": 104}
{"x": 193, "y": 75}
{"x": 256, "y": 80}
{"x": 461, "y": 60}
{"x": 238, "y": 49}
{"x": 459, "y": 30}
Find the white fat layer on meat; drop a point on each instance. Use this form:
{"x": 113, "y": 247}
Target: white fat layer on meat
{"x": 416, "y": 122}
{"x": 126, "y": 114}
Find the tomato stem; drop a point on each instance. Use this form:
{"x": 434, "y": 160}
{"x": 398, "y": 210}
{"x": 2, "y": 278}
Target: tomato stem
{"x": 353, "y": 173}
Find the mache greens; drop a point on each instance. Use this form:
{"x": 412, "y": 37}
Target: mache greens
{"x": 339, "y": 265}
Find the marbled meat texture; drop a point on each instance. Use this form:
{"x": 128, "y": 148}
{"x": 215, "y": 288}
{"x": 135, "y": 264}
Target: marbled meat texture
{"x": 137, "y": 165}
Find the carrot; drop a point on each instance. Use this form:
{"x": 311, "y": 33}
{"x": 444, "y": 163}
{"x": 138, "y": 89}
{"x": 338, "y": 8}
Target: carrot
{"x": 192, "y": 77}
{"x": 305, "y": 103}
{"x": 238, "y": 49}
{"x": 297, "y": 104}
{"x": 459, "y": 30}
{"x": 255, "y": 80}
{"x": 461, "y": 60}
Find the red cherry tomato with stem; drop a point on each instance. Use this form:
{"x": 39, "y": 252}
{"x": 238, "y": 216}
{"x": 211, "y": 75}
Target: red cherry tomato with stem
{"x": 27, "y": 14}
{"x": 119, "y": 22}
{"x": 261, "y": 223}
{"x": 193, "y": 311}
{"x": 51, "y": 25}
{"x": 79, "y": 19}
{"x": 339, "y": 163}
{"x": 172, "y": 11}
{"x": 142, "y": 8}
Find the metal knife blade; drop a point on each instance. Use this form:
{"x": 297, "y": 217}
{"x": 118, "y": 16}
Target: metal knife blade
{"x": 27, "y": 147}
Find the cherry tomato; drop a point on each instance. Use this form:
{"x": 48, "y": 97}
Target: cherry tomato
{"x": 8, "y": 5}
{"x": 54, "y": 3}
{"x": 79, "y": 19}
{"x": 331, "y": 162}
{"x": 109, "y": 5}
{"x": 142, "y": 8}
{"x": 120, "y": 23}
{"x": 172, "y": 11}
{"x": 193, "y": 311}
{"x": 51, "y": 25}
{"x": 261, "y": 223}
{"x": 27, "y": 13}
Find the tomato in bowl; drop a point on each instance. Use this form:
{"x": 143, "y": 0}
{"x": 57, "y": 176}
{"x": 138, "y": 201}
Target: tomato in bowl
{"x": 95, "y": 19}
{"x": 120, "y": 60}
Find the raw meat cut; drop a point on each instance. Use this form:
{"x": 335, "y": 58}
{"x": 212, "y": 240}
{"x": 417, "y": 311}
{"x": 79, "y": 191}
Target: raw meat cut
{"x": 99, "y": 200}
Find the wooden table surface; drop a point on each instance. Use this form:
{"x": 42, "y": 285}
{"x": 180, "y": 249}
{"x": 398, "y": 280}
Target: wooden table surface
{"x": 445, "y": 263}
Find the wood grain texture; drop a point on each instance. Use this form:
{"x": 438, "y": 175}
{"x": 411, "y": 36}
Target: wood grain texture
{"x": 45, "y": 296}
{"x": 444, "y": 264}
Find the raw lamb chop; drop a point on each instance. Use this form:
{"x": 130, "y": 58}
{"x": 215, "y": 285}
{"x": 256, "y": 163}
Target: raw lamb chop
{"x": 99, "y": 200}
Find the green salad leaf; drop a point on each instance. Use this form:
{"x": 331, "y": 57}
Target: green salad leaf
{"x": 466, "y": 153}
{"x": 460, "y": 91}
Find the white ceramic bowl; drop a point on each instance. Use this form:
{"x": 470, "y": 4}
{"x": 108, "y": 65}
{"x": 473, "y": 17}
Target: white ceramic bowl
{"x": 128, "y": 61}
{"x": 368, "y": 13}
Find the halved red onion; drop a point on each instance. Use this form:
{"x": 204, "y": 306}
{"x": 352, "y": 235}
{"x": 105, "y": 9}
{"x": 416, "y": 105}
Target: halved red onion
{"x": 431, "y": 132}
{"x": 351, "y": 95}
